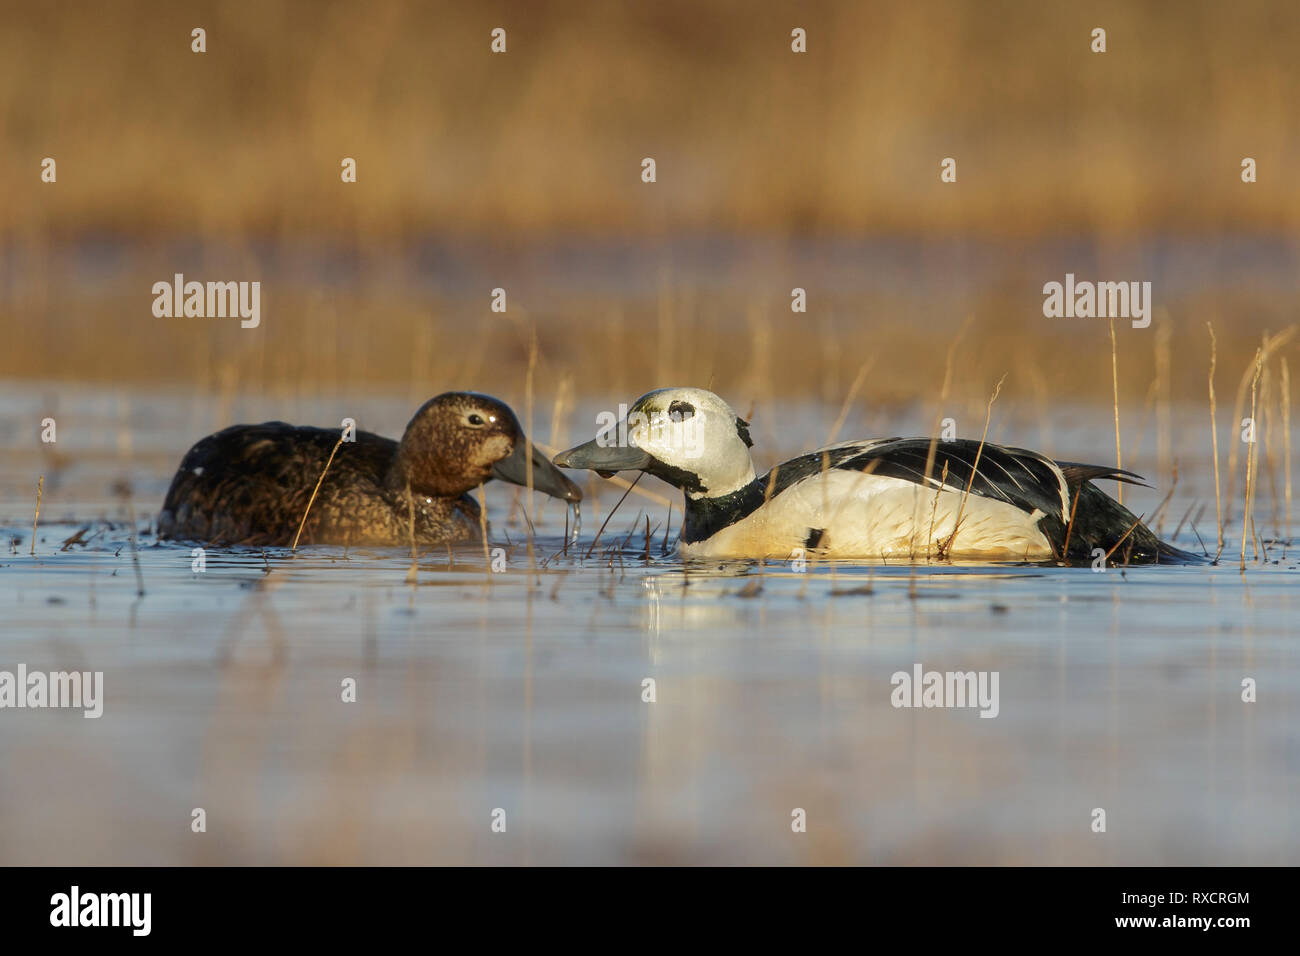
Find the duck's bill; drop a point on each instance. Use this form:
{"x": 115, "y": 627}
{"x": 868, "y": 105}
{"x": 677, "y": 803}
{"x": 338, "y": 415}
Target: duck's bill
{"x": 546, "y": 477}
{"x": 604, "y": 460}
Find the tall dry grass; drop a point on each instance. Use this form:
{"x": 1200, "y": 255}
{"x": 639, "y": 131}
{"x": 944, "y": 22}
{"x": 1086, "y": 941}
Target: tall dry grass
{"x": 247, "y": 138}
{"x": 226, "y": 165}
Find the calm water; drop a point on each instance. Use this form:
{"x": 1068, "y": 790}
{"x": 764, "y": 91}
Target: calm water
{"x": 522, "y": 690}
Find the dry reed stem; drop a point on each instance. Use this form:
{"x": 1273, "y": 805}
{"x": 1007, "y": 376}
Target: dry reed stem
{"x": 1157, "y": 517}
{"x": 1148, "y": 406}
{"x": 848, "y": 401}
{"x": 1214, "y": 438}
{"x": 40, "y": 489}
{"x": 1114, "y": 378}
{"x": 1182, "y": 521}
{"x": 1124, "y": 538}
{"x": 413, "y": 572}
{"x": 1286, "y": 442}
{"x": 943, "y": 396}
{"x": 1069, "y": 529}
{"x": 1271, "y": 345}
{"x": 938, "y": 420}
{"x": 563, "y": 394}
{"x": 1164, "y": 463}
{"x": 528, "y": 440}
{"x": 1267, "y": 415}
{"x": 1250, "y": 462}
{"x": 934, "y": 507}
{"x": 482, "y": 529}
{"x": 611, "y": 512}
{"x": 135, "y": 551}
{"x": 961, "y": 507}
{"x": 312, "y": 499}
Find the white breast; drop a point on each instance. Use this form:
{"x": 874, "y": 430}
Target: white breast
{"x": 865, "y": 515}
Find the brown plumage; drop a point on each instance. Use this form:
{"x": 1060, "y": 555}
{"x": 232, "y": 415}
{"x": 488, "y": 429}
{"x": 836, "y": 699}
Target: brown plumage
{"x": 250, "y": 484}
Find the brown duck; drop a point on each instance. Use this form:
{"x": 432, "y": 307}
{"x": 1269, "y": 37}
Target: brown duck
{"x": 250, "y": 484}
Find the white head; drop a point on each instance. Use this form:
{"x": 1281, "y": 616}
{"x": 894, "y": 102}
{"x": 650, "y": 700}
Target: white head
{"x": 689, "y": 437}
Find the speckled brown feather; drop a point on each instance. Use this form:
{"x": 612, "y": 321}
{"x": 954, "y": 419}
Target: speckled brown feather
{"x": 250, "y": 484}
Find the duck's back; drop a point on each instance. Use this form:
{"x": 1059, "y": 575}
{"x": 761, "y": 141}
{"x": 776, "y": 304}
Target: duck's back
{"x": 250, "y": 484}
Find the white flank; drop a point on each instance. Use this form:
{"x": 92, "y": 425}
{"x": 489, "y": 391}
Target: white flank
{"x": 864, "y": 515}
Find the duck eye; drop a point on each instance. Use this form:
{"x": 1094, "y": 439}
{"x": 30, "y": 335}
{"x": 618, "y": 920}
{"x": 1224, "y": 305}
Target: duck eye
{"x": 475, "y": 420}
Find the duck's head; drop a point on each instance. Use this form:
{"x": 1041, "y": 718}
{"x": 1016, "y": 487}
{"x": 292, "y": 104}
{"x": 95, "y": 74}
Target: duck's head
{"x": 458, "y": 440}
{"x": 689, "y": 437}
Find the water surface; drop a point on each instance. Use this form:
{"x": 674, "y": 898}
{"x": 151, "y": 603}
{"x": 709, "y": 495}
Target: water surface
{"x": 523, "y": 690}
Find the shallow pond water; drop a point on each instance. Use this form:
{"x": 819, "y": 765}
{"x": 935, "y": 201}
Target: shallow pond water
{"x": 518, "y": 696}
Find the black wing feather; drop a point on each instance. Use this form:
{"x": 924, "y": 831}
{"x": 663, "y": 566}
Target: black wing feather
{"x": 1019, "y": 477}
{"x": 1076, "y": 474}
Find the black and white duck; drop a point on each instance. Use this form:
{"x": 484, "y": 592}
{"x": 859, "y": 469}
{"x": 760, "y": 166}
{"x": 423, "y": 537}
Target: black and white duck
{"x": 871, "y": 498}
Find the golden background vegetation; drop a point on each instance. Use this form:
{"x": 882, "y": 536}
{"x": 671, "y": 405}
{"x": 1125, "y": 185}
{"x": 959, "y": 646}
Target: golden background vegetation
{"x": 225, "y": 165}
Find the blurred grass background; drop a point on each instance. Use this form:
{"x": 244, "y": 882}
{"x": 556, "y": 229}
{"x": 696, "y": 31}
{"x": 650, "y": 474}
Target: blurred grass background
{"x": 522, "y": 170}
